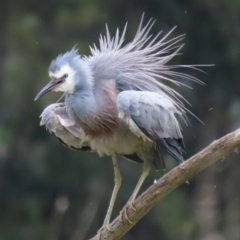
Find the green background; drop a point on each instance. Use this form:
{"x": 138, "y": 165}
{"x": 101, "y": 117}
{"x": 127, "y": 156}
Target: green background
{"x": 48, "y": 192}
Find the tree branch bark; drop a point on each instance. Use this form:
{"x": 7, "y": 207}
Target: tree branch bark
{"x": 179, "y": 175}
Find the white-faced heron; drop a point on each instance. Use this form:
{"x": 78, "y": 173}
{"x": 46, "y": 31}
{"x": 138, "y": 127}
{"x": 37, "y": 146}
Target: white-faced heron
{"x": 117, "y": 104}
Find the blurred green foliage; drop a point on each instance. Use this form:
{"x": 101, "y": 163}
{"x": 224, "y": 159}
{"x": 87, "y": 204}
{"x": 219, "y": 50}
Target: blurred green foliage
{"x": 50, "y": 192}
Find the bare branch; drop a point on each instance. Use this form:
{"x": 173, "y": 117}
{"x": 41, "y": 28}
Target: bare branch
{"x": 179, "y": 175}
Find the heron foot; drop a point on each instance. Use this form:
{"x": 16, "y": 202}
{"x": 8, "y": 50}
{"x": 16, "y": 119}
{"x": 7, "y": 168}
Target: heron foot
{"x": 105, "y": 226}
{"x": 124, "y": 212}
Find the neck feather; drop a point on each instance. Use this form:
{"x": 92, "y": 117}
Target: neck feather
{"x": 96, "y": 111}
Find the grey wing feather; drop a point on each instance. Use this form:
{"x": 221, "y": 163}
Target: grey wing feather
{"x": 68, "y": 132}
{"x": 152, "y": 116}
{"x": 151, "y": 111}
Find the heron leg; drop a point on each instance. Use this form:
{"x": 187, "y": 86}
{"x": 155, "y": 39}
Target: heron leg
{"x": 145, "y": 172}
{"x": 117, "y": 180}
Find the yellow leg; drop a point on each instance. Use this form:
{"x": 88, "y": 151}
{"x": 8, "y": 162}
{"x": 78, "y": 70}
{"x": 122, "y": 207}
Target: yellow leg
{"x": 145, "y": 172}
{"x": 118, "y": 181}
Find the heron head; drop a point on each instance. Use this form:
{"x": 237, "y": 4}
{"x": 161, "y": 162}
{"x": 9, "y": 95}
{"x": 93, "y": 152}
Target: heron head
{"x": 62, "y": 72}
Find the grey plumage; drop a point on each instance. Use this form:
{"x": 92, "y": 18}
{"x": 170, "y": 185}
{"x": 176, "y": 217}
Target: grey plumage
{"x": 68, "y": 133}
{"x": 152, "y": 116}
{"x": 57, "y": 122}
{"x": 116, "y": 101}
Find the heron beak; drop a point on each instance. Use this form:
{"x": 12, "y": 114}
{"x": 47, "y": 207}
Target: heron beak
{"x": 49, "y": 87}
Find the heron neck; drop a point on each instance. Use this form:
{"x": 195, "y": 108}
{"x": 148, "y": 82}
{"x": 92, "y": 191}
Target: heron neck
{"x": 95, "y": 109}
{"x": 81, "y": 104}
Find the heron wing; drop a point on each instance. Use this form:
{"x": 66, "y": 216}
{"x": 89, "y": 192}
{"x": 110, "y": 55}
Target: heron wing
{"x": 152, "y": 116}
{"x": 66, "y": 130}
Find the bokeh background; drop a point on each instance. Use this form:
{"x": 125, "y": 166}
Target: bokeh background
{"x": 48, "y": 192}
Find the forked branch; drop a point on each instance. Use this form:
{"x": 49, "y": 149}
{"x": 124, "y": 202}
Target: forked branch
{"x": 179, "y": 175}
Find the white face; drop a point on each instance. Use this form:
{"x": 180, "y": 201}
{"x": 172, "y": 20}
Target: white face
{"x": 69, "y": 85}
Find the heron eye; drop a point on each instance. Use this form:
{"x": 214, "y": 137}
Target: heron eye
{"x": 65, "y": 75}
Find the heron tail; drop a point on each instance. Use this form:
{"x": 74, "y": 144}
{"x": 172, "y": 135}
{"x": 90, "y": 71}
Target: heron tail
{"x": 173, "y": 147}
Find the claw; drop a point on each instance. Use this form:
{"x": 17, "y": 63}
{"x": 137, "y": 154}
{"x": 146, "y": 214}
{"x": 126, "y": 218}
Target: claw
{"x": 107, "y": 226}
{"x": 124, "y": 212}
{"x": 121, "y": 216}
{"x": 126, "y": 216}
{"x": 99, "y": 233}
{"x": 132, "y": 206}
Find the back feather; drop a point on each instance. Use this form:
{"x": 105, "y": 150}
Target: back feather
{"x": 142, "y": 64}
